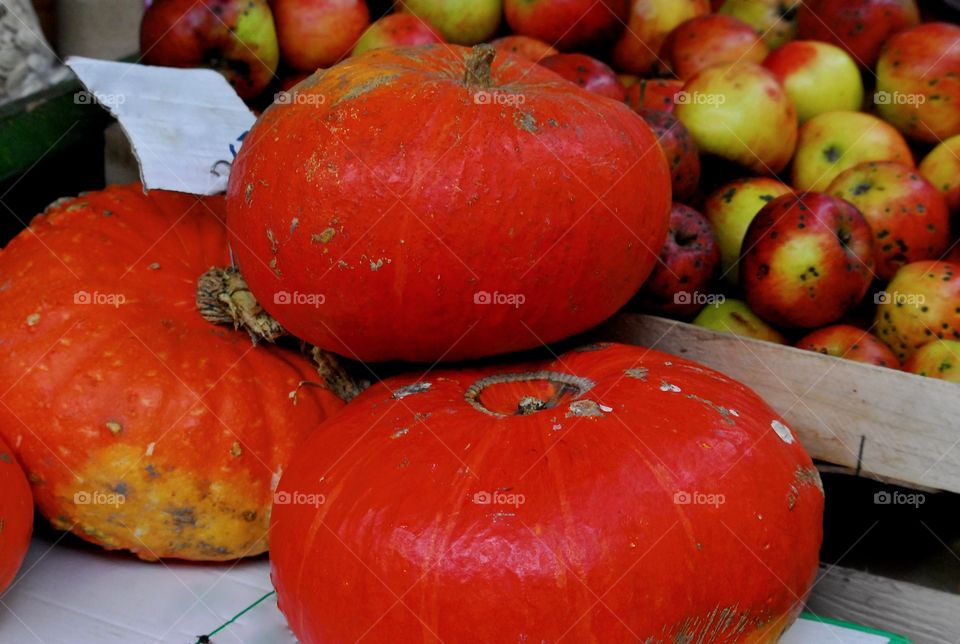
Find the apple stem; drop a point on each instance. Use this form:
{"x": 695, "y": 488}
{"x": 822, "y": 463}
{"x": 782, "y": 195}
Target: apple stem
{"x": 478, "y": 66}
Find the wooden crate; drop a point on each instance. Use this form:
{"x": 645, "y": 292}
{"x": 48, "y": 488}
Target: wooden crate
{"x": 871, "y": 420}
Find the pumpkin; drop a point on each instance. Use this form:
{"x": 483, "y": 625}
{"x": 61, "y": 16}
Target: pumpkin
{"x": 614, "y": 494}
{"x": 16, "y": 516}
{"x": 442, "y": 203}
{"x": 141, "y": 425}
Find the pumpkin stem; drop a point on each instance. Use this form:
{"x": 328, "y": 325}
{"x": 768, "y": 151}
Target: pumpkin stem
{"x": 479, "y": 63}
{"x": 223, "y": 297}
{"x": 337, "y": 377}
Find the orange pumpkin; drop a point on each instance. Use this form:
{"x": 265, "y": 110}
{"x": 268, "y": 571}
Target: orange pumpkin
{"x": 141, "y": 425}
{"x": 501, "y": 504}
{"x": 442, "y": 203}
{"x": 16, "y": 516}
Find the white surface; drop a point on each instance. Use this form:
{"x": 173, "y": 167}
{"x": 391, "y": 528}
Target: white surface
{"x": 181, "y": 122}
{"x": 68, "y": 593}
{"x": 71, "y": 593}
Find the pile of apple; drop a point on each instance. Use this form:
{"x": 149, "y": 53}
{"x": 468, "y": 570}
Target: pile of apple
{"x": 792, "y": 130}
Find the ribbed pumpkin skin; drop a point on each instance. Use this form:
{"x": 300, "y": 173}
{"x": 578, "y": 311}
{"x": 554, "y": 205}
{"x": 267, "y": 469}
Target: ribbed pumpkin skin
{"x": 16, "y": 516}
{"x": 394, "y": 513}
{"x": 141, "y": 425}
{"x": 390, "y": 189}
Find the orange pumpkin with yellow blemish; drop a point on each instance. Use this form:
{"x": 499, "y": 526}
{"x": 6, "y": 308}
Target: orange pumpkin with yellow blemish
{"x": 141, "y": 425}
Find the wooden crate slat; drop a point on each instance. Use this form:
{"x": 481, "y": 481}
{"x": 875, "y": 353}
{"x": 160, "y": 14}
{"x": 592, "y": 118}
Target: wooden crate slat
{"x": 926, "y": 616}
{"x": 871, "y": 419}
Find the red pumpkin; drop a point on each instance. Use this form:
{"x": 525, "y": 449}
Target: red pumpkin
{"x": 141, "y": 425}
{"x": 499, "y": 503}
{"x": 437, "y": 216}
{"x": 16, "y": 516}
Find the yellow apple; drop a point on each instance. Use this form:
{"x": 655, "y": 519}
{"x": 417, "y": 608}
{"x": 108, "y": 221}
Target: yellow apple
{"x": 775, "y": 20}
{"x": 741, "y": 113}
{"x": 819, "y": 77}
{"x": 734, "y": 316}
{"x": 941, "y": 167}
{"x": 731, "y": 208}
{"x": 831, "y": 142}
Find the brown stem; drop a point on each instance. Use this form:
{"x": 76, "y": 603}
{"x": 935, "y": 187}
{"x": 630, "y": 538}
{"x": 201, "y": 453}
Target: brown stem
{"x": 224, "y": 298}
{"x": 338, "y": 379}
{"x": 478, "y": 67}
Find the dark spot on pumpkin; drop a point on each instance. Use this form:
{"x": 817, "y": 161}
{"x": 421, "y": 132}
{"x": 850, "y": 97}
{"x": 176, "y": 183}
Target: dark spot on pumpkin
{"x": 182, "y": 517}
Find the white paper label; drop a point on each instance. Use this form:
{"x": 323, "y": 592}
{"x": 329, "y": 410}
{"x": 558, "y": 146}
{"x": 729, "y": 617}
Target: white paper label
{"x": 185, "y": 125}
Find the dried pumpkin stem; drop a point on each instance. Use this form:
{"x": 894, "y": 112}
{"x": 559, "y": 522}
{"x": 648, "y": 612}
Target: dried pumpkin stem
{"x": 336, "y": 376}
{"x": 223, "y": 297}
{"x": 479, "y": 63}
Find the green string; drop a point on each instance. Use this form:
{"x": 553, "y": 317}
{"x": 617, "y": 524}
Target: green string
{"x": 207, "y": 638}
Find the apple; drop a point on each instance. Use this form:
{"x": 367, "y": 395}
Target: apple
{"x": 819, "y": 77}
{"x": 589, "y": 73}
{"x": 710, "y": 40}
{"x": 918, "y": 82}
{"x": 734, "y": 316}
{"x": 396, "y": 30}
{"x": 524, "y": 46}
{"x": 568, "y": 24}
{"x": 318, "y": 33}
{"x": 807, "y": 260}
{"x": 650, "y": 21}
{"x": 941, "y": 167}
{"x": 921, "y": 304}
{"x": 680, "y": 150}
{"x": 653, "y": 93}
{"x": 680, "y": 281}
{"x": 775, "y": 20}
{"x": 235, "y": 37}
{"x": 907, "y": 214}
{"x": 832, "y": 142}
{"x": 730, "y": 209}
{"x": 858, "y": 26}
{"x": 463, "y": 22}
{"x": 851, "y": 343}
{"x": 939, "y": 359}
{"x": 741, "y": 113}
